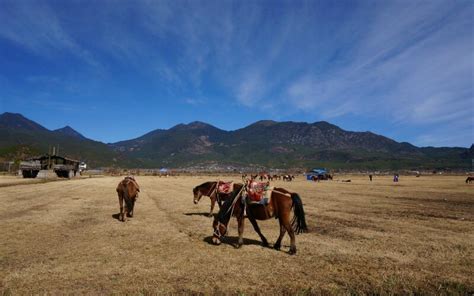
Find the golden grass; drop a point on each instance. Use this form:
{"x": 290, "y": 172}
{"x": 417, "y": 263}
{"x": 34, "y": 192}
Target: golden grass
{"x": 416, "y": 236}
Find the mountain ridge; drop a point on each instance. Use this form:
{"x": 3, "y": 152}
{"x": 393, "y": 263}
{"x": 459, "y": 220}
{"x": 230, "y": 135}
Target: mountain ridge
{"x": 265, "y": 143}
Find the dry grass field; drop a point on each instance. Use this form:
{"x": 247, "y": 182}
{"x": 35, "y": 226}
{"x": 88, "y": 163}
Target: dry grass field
{"x": 416, "y": 236}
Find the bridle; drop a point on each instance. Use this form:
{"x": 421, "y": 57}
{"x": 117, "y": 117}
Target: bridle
{"x": 217, "y": 230}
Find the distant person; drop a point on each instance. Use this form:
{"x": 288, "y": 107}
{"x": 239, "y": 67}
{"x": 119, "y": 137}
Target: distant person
{"x": 395, "y": 178}
{"x": 370, "y": 178}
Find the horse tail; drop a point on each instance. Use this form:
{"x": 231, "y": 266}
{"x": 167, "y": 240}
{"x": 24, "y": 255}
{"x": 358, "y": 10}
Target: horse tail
{"x": 299, "y": 221}
{"x": 127, "y": 198}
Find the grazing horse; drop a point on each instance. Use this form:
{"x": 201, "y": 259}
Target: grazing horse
{"x": 127, "y": 191}
{"x": 210, "y": 189}
{"x": 469, "y": 179}
{"x": 280, "y": 204}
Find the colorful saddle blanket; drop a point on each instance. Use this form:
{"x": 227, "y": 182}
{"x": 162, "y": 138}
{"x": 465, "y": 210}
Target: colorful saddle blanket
{"x": 258, "y": 192}
{"x": 224, "y": 187}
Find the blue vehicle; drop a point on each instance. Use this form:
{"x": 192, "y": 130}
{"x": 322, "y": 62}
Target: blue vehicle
{"x": 318, "y": 174}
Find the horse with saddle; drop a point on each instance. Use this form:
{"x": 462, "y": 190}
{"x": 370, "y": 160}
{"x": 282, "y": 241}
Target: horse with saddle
{"x": 258, "y": 201}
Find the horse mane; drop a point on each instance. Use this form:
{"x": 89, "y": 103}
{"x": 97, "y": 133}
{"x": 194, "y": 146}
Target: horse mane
{"x": 202, "y": 185}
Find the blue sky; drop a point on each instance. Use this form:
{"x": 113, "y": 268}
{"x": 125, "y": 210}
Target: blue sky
{"x": 114, "y": 70}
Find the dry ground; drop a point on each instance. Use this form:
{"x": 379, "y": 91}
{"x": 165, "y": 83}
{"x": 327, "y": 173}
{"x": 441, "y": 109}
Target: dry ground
{"x": 61, "y": 237}
{"x": 12, "y": 180}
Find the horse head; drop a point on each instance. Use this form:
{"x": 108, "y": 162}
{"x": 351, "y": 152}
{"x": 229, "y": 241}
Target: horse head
{"x": 220, "y": 230}
{"x": 197, "y": 195}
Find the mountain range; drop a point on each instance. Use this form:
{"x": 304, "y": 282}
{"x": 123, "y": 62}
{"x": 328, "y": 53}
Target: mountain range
{"x": 266, "y": 143}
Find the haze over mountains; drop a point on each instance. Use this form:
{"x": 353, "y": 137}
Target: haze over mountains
{"x": 266, "y": 143}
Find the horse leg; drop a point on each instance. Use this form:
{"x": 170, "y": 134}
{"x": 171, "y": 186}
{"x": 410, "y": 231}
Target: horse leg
{"x": 130, "y": 213}
{"x": 240, "y": 223}
{"x": 257, "y": 229}
{"x": 125, "y": 212}
{"x": 291, "y": 233}
{"x": 213, "y": 203}
{"x": 121, "y": 207}
{"x": 277, "y": 245}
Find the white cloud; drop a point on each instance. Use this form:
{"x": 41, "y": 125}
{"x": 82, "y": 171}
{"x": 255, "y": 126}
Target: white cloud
{"x": 38, "y": 29}
{"x": 195, "y": 101}
{"x": 414, "y": 64}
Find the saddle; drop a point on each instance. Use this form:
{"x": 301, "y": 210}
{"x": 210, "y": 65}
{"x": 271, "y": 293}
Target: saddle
{"x": 224, "y": 187}
{"x": 258, "y": 193}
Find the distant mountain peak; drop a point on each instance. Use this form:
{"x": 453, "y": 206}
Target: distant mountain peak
{"x": 18, "y": 121}
{"x": 198, "y": 124}
{"x": 265, "y": 123}
{"x": 193, "y": 125}
{"x": 325, "y": 124}
{"x": 69, "y": 131}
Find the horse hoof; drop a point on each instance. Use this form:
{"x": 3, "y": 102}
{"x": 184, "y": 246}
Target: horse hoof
{"x": 277, "y": 247}
{"x": 216, "y": 241}
{"x": 265, "y": 244}
{"x": 292, "y": 251}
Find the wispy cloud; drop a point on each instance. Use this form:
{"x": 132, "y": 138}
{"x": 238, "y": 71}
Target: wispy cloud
{"x": 391, "y": 63}
{"x": 414, "y": 62}
{"x": 195, "y": 101}
{"x": 36, "y": 27}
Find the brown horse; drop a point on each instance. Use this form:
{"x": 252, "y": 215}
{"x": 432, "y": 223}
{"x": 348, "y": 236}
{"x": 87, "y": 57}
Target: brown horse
{"x": 210, "y": 189}
{"x": 469, "y": 179}
{"x": 127, "y": 191}
{"x": 280, "y": 204}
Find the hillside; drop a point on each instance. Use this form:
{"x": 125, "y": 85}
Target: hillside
{"x": 262, "y": 144}
{"x": 21, "y": 137}
{"x": 285, "y": 144}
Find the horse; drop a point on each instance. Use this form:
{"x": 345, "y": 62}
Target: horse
{"x": 288, "y": 178}
{"x": 281, "y": 202}
{"x": 469, "y": 179}
{"x": 127, "y": 191}
{"x": 210, "y": 189}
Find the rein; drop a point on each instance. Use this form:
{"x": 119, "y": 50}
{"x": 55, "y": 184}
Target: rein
{"x": 234, "y": 201}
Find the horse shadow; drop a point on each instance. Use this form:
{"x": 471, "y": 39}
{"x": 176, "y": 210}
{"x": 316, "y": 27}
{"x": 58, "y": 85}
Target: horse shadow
{"x": 117, "y": 216}
{"x": 234, "y": 241}
{"x": 205, "y": 214}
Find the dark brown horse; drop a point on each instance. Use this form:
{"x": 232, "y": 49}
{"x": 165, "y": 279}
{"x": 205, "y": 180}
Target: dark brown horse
{"x": 210, "y": 189}
{"x": 127, "y": 191}
{"x": 281, "y": 202}
{"x": 469, "y": 179}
